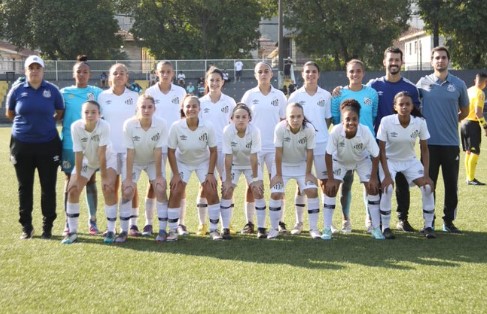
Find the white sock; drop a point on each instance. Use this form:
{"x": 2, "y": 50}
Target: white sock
{"x": 385, "y": 207}
{"x": 283, "y": 208}
{"x": 428, "y": 205}
{"x": 172, "y": 217}
{"x": 299, "y": 203}
{"x": 125, "y": 211}
{"x": 260, "y": 210}
{"x": 202, "y": 205}
{"x": 214, "y": 213}
{"x": 328, "y": 209}
{"x": 134, "y": 216}
{"x": 111, "y": 214}
{"x": 250, "y": 209}
{"x": 313, "y": 212}
{"x": 182, "y": 212}
{"x": 150, "y": 203}
{"x": 226, "y": 211}
{"x": 72, "y": 211}
{"x": 275, "y": 212}
{"x": 162, "y": 215}
{"x": 374, "y": 201}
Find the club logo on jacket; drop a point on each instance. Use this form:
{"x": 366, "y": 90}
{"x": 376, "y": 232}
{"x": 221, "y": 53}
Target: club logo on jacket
{"x": 46, "y": 93}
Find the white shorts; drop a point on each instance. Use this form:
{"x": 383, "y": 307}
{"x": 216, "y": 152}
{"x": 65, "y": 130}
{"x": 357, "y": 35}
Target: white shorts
{"x": 297, "y": 173}
{"x": 121, "y": 164}
{"x": 267, "y": 158}
{"x": 412, "y": 169}
{"x": 220, "y": 164}
{"x": 185, "y": 171}
{"x": 87, "y": 171}
{"x": 149, "y": 168}
{"x": 363, "y": 169}
{"x": 236, "y": 173}
{"x": 320, "y": 167}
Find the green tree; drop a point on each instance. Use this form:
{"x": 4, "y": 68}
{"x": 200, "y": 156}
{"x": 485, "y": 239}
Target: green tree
{"x": 62, "y": 29}
{"x": 461, "y": 23}
{"x": 340, "y": 30}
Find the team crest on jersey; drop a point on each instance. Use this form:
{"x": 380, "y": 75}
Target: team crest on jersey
{"x": 204, "y": 137}
{"x": 225, "y": 109}
{"x": 337, "y": 171}
{"x": 90, "y": 96}
{"x": 95, "y": 138}
{"x": 287, "y": 139}
{"x": 275, "y": 102}
{"x": 393, "y": 134}
{"x": 367, "y": 101}
{"x": 303, "y": 140}
{"x": 129, "y": 101}
{"x": 156, "y": 137}
{"x": 415, "y": 134}
{"x": 46, "y": 93}
{"x": 136, "y": 138}
{"x": 321, "y": 102}
{"x": 183, "y": 137}
{"x": 248, "y": 145}
{"x": 359, "y": 146}
{"x": 451, "y": 88}
{"x": 175, "y": 100}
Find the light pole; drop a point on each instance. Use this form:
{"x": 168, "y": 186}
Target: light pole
{"x": 280, "y": 44}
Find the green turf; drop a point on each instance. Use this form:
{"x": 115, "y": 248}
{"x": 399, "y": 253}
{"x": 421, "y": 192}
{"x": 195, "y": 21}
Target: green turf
{"x": 352, "y": 273}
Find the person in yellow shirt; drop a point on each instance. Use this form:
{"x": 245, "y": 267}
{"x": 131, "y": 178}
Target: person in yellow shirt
{"x": 471, "y": 132}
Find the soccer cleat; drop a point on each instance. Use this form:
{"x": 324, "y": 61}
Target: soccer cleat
{"x": 282, "y": 227}
{"x": 315, "y": 234}
{"x": 403, "y": 225}
{"x": 134, "y": 231}
{"x": 182, "y": 230}
{"x": 27, "y": 233}
{"x": 273, "y": 233}
{"x": 46, "y": 233}
{"x": 326, "y": 235}
{"x": 122, "y": 237}
{"x": 172, "y": 235}
{"x": 93, "y": 228}
{"x": 202, "y": 230}
{"x": 475, "y": 182}
{"x": 147, "y": 231}
{"x": 346, "y": 226}
{"x": 215, "y": 235}
{"x": 109, "y": 237}
{"x": 451, "y": 228}
{"x": 249, "y": 228}
{"x": 70, "y": 238}
{"x": 297, "y": 229}
{"x": 388, "y": 234}
{"x": 377, "y": 234}
{"x": 161, "y": 236}
{"x": 232, "y": 229}
{"x": 226, "y": 235}
{"x": 261, "y": 233}
{"x": 429, "y": 233}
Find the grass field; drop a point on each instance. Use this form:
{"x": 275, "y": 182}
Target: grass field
{"x": 294, "y": 274}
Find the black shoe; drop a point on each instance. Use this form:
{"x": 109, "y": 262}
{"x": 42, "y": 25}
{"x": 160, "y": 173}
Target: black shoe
{"x": 403, "y": 225}
{"x": 27, "y": 233}
{"x": 249, "y": 228}
{"x": 450, "y": 227}
{"x": 475, "y": 182}
{"x": 261, "y": 233}
{"x": 388, "y": 234}
{"x": 46, "y": 234}
{"x": 226, "y": 234}
{"x": 282, "y": 227}
{"x": 429, "y": 233}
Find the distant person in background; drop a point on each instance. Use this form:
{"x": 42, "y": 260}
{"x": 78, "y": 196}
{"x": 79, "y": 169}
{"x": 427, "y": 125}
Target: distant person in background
{"x": 74, "y": 98}
{"x": 288, "y": 64}
{"x": 190, "y": 88}
{"x": 201, "y": 89}
{"x": 152, "y": 78}
{"x": 238, "y": 70}
{"x": 35, "y": 106}
{"x": 471, "y": 132}
{"x": 181, "y": 79}
{"x": 103, "y": 80}
{"x": 226, "y": 77}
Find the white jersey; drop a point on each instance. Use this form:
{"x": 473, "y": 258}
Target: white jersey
{"x": 144, "y": 142}
{"x": 267, "y": 111}
{"x": 241, "y": 147}
{"x": 350, "y": 151}
{"x": 400, "y": 141}
{"x": 294, "y": 146}
{"x": 191, "y": 146}
{"x": 115, "y": 110}
{"x": 316, "y": 109}
{"x": 168, "y": 106}
{"x": 89, "y": 142}
{"x": 219, "y": 114}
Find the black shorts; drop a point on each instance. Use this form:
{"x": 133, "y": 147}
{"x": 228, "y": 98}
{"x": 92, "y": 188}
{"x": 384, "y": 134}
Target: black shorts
{"x": 471, "y": 135}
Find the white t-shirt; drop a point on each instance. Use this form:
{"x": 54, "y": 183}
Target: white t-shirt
{"x": 168, "y": 106}
{"x": 238, "y": 66}
{"x": 89, "y": 142}
{"x": 191, "y": 146}
{"x": 400, "y": 141}
{"x": 294, "y": 146}
{"x": 267, "y": 111}
{"x": 219, "y": 114}
{"x": 115, "y": 110}
{"x": 349, "y": 152}
{"x": 241, "y": 147}
{"x": 144, "y": 142}
{"x": 316, "y": 109}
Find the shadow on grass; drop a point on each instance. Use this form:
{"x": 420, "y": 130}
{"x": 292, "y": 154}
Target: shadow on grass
{"x": 447, "y": 250}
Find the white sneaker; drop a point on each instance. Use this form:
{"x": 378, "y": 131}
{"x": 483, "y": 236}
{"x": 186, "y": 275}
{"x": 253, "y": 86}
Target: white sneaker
{"x": 297, "y": 229}
{"x": 333, "y": 229}
{"x": 273, "y": 233}
{"x": 172, "y": 235}
{"x": 70, "y": 238}
{"x": 346, "y": 226}
{"x": 215, "y": 235}
{"x": 315, "y": 234}
{"x": 182, "y": 231}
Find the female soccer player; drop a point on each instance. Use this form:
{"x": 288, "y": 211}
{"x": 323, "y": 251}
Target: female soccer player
{"x": 192, "y": 148}
{"x": 397, "y": 136}
{"x": 351, "y": 147}
{"x": 268, "y": 106}
{"x": 74, "y": 97}
{"x": 241, "y": 144}
{"x": 91, "y": 146}
{"x": 144, "y": 137}
{"x": 294, "y": 140}
{"x": 317, "y": 108}
{"x": 216, "y": 108}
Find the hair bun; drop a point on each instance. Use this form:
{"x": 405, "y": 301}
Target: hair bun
{"x": 82, "y": 58}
